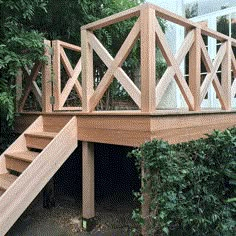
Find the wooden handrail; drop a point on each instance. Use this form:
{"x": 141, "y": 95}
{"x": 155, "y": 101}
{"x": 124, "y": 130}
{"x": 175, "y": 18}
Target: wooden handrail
{"x": 148, "y": 30}
{"x": 151, "y": 34}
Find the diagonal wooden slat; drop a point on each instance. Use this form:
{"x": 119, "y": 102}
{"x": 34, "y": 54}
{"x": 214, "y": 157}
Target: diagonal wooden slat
{"x": 233, "y": 63}
{"x": 73, "y": 81}
{"x": 66, "y": 62}
{"x": 30, "y": 79}
{"x": 37, "y": 92}
{"x": 117, "y": 62}
{"x": 121, "y": 76}
{"x": 213, "y": 67}
{"x": 171, "y": 61}
{"x": 170, "y": 72}
{"x": 226, "y": 76}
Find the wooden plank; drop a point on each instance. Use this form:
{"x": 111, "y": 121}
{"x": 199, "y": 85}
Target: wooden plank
{"x": 17, "y": 198}
{"x": 46, "y": 79}
{"x": 88, "y": 207}
{"x": 185, "y": 135}
{"x": 148, "y": 60}
{"x": 73, "y": 81}
{"x": 195, "y": 70}
{"x": 170, "y": 72}
{"x": 37, "y": 92}
{"x": 18, "y": 89}
{"x": 56, "y": 74}
{"x": 27, "y": 156}
{"x": 16, "y": 165}
{"x": 226, "y": 76}
{"x": 116, "y": 136}
{"x": 188, "y": 24}
{"x": 212, "y": 77}
{"x": 117, "y": 62}
{"x": 116, "y": 122}
{"x": 42, "y": 134}
{"x": 121, "y": 16}
{"x": 31, "y": 78}
{"x": 170, "y": 16}
{"x": 69, "y": 46}
{"x": 171, "y": 61}
{"x": 20, "y": 144}
{"x": 87, "y": 70}
{"x": 191, "y": 120}
{"x": 54, "y": 123}
{"x": 66, "y": 62}
{"x": 37, "y": 142}
{"x": 121, "y": 76}
{"x": 233, "y": 65}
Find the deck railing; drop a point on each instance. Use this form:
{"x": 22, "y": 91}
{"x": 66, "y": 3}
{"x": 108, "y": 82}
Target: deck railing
{"x": 60, "y": 58}
{"x": 26, "y": 83}
{"x": 148, "y": 30}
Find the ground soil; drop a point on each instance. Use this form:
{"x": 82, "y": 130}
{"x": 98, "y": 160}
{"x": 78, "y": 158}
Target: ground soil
{"x": 113, "y": 217}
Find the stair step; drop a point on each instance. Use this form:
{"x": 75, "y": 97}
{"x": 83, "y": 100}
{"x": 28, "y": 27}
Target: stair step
{"x": 6, "y": 180}
{"x": 39, "y": 140}
{"x": 26, "y": 156}
{"x": 19, "y": 161}
{"x": 42, "y": 134}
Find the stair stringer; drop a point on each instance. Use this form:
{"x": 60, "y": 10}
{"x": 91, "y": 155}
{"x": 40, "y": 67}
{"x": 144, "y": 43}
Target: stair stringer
{"x": 20, "y": 143}
{"x": 27, "y": 186}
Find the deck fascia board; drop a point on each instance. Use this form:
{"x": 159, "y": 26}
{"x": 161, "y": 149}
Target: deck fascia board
{"x": 133, "y": 128}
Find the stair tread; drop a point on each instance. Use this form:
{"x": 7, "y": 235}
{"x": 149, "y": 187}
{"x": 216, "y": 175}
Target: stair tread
{"x": 27, "y": 156}
{"x": 6, "y": 180}
{"x": 42, "y": 134}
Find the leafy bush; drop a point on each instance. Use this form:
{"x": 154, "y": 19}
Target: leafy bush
{"x": 191, "y": 186}
{"x": 20, "y": 47}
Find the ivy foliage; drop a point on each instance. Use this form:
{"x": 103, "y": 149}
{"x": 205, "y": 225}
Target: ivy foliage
{"x": 20, "y": 46}
{"x": 192, "y": 186}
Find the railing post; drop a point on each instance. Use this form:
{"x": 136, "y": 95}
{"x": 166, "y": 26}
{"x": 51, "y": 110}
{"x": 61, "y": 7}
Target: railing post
{"x": 46, "y": 80}
{"x": 56, "y": 74}
{"x": 18, "y": 90}
{"x": 148, "y": 59}
{"x": 87, "y": 70}
{"x": 195, "y": 69}
{"x": 226, "y": 76}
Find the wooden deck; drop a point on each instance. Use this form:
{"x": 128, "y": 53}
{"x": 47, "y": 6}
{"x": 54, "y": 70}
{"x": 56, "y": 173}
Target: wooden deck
{"x": 134, "y": 128}
{"x": 129, "y": 128}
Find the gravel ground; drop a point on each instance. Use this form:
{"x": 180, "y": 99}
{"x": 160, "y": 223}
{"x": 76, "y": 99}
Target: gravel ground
{"x": 113, "y": 217}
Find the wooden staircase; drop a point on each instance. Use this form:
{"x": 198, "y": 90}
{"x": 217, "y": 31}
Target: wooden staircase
{"x": 30, "y": 162}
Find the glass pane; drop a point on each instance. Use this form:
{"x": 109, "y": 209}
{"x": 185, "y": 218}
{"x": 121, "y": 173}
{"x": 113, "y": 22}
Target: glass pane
{"x": 233, "y": 25}
{"x": 223, "y": 25}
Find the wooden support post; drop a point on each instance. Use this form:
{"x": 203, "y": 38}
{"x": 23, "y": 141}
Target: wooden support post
{"x": 195, "y": 70}
{"x": 148, "y": 60}
{"x": 87, "y": 70}
{"x": 46, "y": 81}
{"x": 18, "y": 90}
{"x": 226, "y": 76}
{"x": 49, "y": 195}
{"x": 56, "y": 74}
{"x": 88, "y": 208}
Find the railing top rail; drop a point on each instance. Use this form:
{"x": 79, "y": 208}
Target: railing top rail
{"x": 121, "y": 16}
{"x": 162, "y": 13}
{"x": 68, "y": 45}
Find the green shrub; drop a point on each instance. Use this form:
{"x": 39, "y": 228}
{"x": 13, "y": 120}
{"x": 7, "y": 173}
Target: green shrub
{"x": 191, "y": 186}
